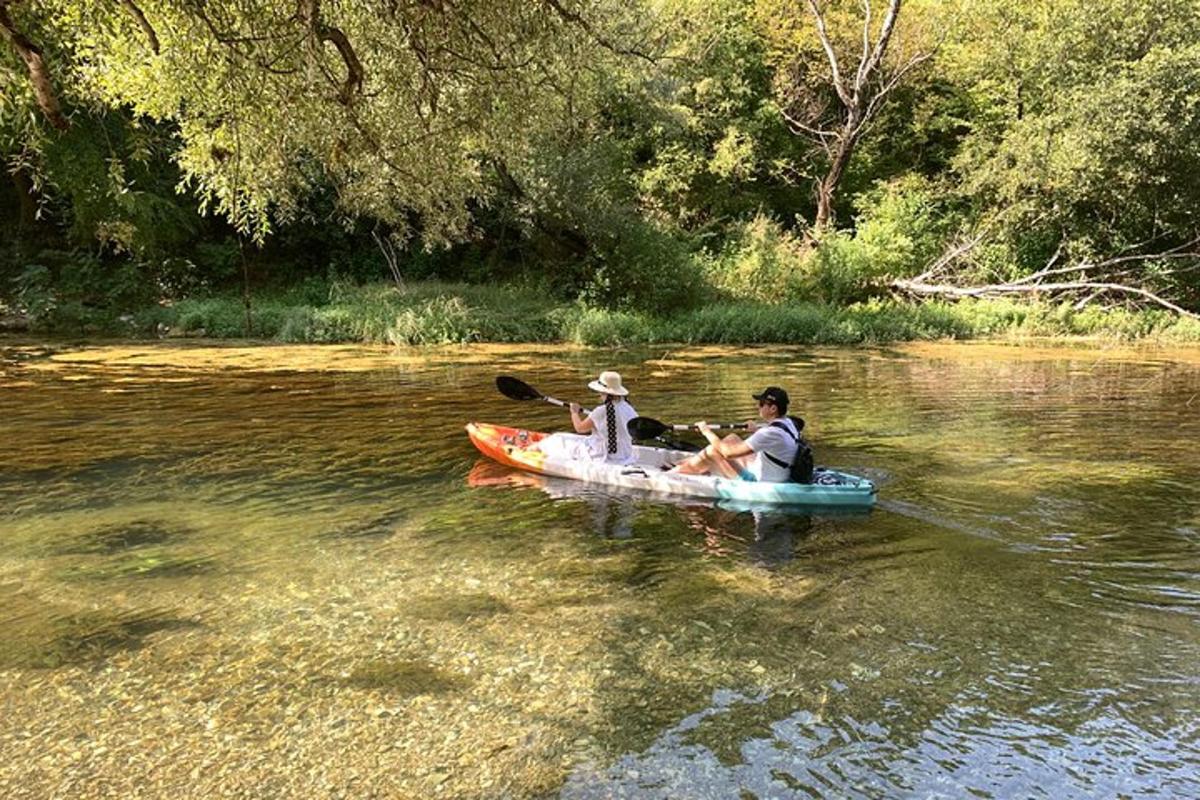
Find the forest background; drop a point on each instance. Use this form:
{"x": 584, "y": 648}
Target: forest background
{"x": 600, "y": 171}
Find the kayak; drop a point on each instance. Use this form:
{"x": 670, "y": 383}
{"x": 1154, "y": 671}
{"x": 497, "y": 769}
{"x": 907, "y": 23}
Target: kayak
{"x": 515, "y": 447}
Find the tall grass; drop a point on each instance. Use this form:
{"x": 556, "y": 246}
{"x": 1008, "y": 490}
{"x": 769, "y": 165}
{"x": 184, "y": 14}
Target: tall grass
{"x": 448, "y": 313}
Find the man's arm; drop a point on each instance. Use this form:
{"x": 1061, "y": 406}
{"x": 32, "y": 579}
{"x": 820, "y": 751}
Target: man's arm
{"x": 729, "y": 448}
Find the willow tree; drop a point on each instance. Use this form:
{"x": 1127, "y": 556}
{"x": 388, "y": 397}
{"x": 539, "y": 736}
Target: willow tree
{"x": 401, "y": 106}
{"x": 836, "y": 64}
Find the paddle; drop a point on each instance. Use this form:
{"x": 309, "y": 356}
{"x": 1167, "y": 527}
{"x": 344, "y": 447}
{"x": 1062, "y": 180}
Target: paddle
{"x": 647, "y": 428}
{"x": 517, "y": 389}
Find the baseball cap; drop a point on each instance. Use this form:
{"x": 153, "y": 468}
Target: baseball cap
{"x": 775, "y": 395}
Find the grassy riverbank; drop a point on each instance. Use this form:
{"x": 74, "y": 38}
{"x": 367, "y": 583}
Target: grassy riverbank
{"x": 444, "y": 313}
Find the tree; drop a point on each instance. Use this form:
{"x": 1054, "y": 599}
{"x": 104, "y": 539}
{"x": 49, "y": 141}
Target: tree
{"x": 400, "y": 106}
{"x": 835, "y": 106}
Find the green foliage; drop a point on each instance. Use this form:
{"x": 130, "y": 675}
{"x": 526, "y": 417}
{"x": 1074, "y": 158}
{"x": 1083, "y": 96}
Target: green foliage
{"x": 502, "y": 142}
{"x": 759, "y": 261}
{"x": 601, "y": 328}
{"x": 34, "y": 293}
{"x": 1085, "y": 132}
{"x": 441, "y": 313}
{"x": 901, "y": 228}
{"x": 641, "y": 267}
{"x": 713, "y": 145}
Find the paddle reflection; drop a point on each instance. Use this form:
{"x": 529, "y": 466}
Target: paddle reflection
{"x": 767, "y": 535}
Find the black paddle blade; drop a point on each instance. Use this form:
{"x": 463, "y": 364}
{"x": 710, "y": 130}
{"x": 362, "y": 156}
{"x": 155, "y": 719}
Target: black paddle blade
{"x": 646, "y": 428}
{"x": 516, "y": 389}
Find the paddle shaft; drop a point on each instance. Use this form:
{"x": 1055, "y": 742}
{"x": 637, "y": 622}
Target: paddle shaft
{"x": 554, "y": 401}
{"x": 729, "y": 426}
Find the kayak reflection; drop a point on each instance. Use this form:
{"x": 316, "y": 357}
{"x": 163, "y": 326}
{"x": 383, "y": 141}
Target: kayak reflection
{"x": 767, "y": 534}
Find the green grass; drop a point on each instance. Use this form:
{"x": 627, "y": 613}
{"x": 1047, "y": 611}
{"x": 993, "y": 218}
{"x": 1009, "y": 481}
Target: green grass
{"x": 431, "y": 313}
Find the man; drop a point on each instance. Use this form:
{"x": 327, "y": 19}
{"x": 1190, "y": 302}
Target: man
{"x": 766, "y": 456}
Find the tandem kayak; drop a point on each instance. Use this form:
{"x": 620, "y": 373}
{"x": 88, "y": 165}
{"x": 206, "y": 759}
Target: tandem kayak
{"x": 516, "y": 448}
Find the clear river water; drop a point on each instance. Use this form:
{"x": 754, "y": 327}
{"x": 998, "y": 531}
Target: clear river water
{"x": 275, "y": 571}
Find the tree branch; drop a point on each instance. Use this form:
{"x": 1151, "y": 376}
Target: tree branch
{"x": 575, "y": 19}
{"x": 39, "y": 75}
{"x": 310, "y": 13}
{"x": 143, "y": 23}
{"x": 885, "y": 34}
{"x": 838, "y": 85}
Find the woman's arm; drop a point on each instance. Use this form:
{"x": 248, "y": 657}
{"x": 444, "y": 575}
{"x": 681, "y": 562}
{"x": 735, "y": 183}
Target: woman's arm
{"x": 581, "y": 423}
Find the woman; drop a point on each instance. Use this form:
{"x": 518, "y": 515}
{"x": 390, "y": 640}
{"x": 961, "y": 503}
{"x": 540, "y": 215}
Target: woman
{"x": 604, "y": 433}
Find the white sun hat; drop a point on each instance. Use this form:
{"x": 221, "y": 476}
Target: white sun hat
{"x": 609, "y": 382}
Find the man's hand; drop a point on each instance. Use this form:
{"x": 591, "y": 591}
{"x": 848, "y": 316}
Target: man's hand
{"x": 706, "y": 432}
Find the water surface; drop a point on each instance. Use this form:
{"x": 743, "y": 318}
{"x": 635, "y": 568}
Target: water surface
{"x": 284, "y": 571}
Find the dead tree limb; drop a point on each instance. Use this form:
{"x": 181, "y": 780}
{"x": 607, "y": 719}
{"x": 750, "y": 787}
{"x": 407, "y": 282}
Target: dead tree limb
{"x": 920, "y": 289}
{"x": 1093, "y": 278}
{"x": 39, "y": 74}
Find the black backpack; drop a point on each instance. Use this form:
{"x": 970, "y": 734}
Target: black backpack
{"x": 801, "y": 468}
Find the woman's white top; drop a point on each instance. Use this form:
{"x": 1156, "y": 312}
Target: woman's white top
{"x": 598, "y": 438}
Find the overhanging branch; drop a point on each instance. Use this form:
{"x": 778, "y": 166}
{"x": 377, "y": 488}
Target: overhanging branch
{"x": 39, "y": 75}
{"x": 143, "y": 23}
{"x": 310, "y": 13}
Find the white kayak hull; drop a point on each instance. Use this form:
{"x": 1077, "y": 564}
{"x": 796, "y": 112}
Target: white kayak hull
{"x": 517, "y": 448}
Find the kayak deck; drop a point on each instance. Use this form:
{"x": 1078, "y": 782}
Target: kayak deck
{"x": 515, "y": 447}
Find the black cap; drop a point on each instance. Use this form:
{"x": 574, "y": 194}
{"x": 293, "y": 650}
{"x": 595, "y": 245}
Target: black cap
{"x": 775, "y": 395}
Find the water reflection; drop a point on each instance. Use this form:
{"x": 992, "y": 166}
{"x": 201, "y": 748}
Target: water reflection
{"x": 769, "y": 535}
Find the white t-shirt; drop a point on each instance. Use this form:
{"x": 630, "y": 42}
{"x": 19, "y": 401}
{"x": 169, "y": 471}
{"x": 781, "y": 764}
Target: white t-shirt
{"x": 598, "y": 438}
{"x": 770, "y": 439}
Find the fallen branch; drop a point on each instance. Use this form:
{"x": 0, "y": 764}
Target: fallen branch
{"x": 921, "y": 289}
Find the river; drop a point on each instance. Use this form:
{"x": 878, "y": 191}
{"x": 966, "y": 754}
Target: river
{"x": 273, "y": 571}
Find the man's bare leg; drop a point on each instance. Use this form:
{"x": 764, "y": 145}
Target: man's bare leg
{"x": 708, "y": 461}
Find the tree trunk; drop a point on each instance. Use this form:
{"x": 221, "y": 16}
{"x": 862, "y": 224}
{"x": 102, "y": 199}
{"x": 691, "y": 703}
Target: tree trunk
{"x": 827, "y": 188}
{"x": 39, "y": 76}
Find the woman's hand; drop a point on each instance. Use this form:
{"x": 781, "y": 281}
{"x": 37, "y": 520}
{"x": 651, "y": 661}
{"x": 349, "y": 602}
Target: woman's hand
{"x": 576, "y": 409}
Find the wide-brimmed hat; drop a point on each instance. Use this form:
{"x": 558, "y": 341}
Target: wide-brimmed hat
{"x": 609, "y": 382}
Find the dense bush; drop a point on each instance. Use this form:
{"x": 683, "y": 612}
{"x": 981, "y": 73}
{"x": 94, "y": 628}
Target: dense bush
{"x": 642, "y": 268}
{"x": 760, "y": 261}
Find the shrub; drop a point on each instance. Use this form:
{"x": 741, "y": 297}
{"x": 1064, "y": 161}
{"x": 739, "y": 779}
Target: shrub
{"x": 902, "y": 226}
{"x": 641, "y": 268}
{"x": 760, "y": 261}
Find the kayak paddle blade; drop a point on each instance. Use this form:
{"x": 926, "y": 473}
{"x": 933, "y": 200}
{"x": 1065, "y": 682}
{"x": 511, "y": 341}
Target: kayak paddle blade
{"x": 516, "y": 389}
{"x": 646, "y": 428}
